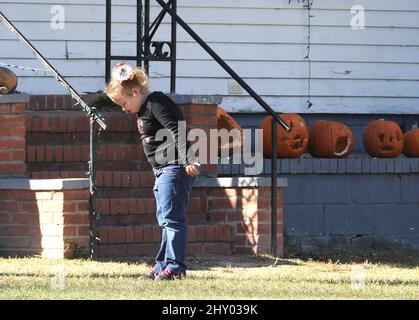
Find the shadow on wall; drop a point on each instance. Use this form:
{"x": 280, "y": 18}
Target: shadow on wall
{"x": 37, "y": 220}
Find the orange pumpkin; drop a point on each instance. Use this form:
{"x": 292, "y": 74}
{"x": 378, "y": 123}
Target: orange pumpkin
{"x": 383, "y": 139}
{"x": 8, "y": 81}
{"x": 290, "y": 144}
{"x": 329, "y": 139}
{"x": 411, "y": 143}
{"x": 225, "y": 121}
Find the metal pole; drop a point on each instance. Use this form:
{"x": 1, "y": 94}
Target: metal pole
{"x": 93, "y": 215}
{"x": 273, "y": 188}
{"x": 139, "y": 32}
{"x": 225, "y": 66}
{"x": 147, "y": 34}
{"x": 173, "y": 51}
{"x": 108, "y": 40}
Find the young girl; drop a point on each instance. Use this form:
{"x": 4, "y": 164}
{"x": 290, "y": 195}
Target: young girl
{"x": 174, "y": 170}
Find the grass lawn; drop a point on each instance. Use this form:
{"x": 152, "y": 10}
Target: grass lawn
{"x": 209, "y": 277}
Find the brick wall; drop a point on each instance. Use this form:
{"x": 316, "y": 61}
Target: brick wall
{"x": 58, "y": 141}
{"x": 40, "y": 217}
{"x": 248, "y": 212}
{"x": 223, "y": 220}
{"x": 12, "y": 135}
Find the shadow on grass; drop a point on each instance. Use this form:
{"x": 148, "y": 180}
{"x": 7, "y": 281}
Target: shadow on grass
{"x": 371, "y": 251}
{"x": 208, "y": 261}
{"x": 402, "y": 259}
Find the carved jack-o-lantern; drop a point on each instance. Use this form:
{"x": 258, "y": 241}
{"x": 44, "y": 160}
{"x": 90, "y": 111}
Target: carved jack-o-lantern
{"x": 330, "y": 139}
{"x": 411, "y": 143}
{"x": 383, "y": 139}
{"x": 290, "y": 144}
{"x": 225, "y": 121}
{"x": 8, "y": 81}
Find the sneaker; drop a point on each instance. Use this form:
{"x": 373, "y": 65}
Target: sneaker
{"x": 167, "y": 274}
{"x": 151, "y": 274}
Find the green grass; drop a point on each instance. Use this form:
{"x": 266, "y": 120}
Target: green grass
{"x": 209, "y": 277}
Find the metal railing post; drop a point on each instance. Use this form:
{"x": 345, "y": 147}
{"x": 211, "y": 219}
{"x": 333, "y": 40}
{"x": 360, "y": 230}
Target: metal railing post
{"x": 93, "y": 214}
{"x": 139, "y": 32}
{"x": 108, "y": 26}
{"x": 273, "y": 188}
{"x": 147, "y": 35}
{"x": 173, "y": 51}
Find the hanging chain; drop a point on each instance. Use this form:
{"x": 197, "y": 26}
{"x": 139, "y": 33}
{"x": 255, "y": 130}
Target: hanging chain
{"x": 35, "y": 70}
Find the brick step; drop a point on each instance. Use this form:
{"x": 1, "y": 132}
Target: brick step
{"x": 55, "y": 170}
{"x": 64, "y": 102}
{"x": 64, "y": 121}
{"x": 141, "y": 209}
{"x": 152, "y": 233}
{"x": 56, "y": 102}
{"x": 108, "y": 173}
{"x": 76, "y": 121}
{"x": 145, "y": 239}
{"x": 59, "y": 141}
{"x": 81, "y": 152}
{"x": 108, "y": 178}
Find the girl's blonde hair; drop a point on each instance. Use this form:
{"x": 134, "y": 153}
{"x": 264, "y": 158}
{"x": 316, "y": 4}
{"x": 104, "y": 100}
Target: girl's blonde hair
{"x": 115, "y": 87}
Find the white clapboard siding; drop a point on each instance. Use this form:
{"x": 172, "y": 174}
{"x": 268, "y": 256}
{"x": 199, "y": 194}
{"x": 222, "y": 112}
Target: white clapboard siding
{"x": 217, "y": 33}
{"x": 283, "y": 70}
{"x": 406, "y": 56}
{"x": 274, "y": 70}
{"x": 374, "y": 70}
{"x": 246, "y": 16}
{"x": 281, "y": 87}
{"x": 406, "y": 5}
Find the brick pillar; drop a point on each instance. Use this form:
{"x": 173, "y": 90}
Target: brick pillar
{"x": 244, "y": 203}
{"x": 12, "y": 135}
{"x": 201, "y": 112}
{"x": 203, "y": 117}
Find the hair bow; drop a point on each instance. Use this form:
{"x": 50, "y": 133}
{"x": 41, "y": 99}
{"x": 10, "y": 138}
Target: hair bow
{"x": 122, "y": 72}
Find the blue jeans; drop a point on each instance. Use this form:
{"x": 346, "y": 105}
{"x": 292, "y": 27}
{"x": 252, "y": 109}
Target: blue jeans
{"x": 172, "y": 190}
